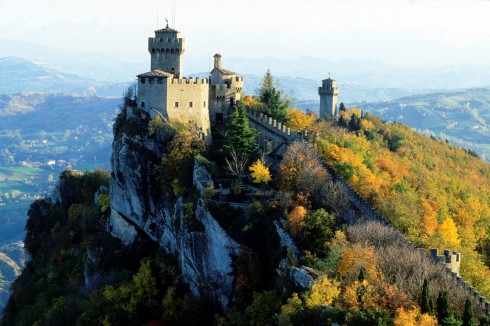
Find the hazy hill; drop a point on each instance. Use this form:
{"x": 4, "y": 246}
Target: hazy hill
{"x": 17, "y": 74}
{"x": 461, "y": 116}
{"x": 40, "y": 136}
{"x": 365, "y": 73}
{"x": 110, "y": 68}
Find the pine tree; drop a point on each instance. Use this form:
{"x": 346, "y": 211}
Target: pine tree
{"x": 425, "y": 304}
{"x": 238, "y": 134}
{"x": 468, "y": 313}
{"x": 272, "y": 104}
{"x": 442, "y": 307}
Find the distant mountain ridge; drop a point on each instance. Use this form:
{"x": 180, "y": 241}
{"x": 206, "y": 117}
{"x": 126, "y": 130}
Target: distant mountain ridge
{"x": 17, "y": 74}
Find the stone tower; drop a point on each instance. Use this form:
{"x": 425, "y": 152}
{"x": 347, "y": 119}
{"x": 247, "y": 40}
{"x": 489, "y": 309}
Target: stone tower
{"x": 225, "y": 90}
{"x": 167, "y": 50}
{"x": 328, "y": 98}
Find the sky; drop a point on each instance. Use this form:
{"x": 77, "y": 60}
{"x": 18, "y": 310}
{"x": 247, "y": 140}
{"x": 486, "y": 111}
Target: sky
{"x": 401, "y": 32}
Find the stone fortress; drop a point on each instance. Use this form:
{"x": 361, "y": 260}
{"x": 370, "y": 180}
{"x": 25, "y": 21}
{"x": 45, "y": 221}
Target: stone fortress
{"x": 207, "y": 102}
{"x": 204, "y": 102}
{"x": 164, "y": 91}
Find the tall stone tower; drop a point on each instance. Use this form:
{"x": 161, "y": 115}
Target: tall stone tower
{"x": 167, "y": 50}
{"x": 328, "y": 98}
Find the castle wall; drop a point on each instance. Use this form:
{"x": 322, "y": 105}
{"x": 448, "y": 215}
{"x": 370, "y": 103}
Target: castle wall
{"x": 187, "y": 102}
{"x": 273, "y": 137}
{"x": 152, "y": 94}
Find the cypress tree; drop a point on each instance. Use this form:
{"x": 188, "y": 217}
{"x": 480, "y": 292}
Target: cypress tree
{"x": 362, "y": 274}
{"x": 425, "y": 306}
{"x": 442, "y": 307}
{"x": 468, "y": 313}
{"x": 342, "y": 106}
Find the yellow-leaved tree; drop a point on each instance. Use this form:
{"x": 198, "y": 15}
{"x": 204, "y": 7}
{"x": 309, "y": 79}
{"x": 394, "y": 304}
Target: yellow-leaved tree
{"x": 299, "y": 120}
{"x": 323, "y": 292}
{"x": 260, "y": 172}
{"x": 413, "y": 317}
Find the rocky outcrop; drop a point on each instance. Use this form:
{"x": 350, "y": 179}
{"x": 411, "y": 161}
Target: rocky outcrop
{"x": 138, "y": 205}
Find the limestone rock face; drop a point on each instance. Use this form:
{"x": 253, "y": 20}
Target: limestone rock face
{"x": 138, "y": 206}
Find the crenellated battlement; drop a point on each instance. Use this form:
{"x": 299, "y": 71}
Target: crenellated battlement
{"x": 272, "y": 125}
{"x": 189, "y": 80}
{"x": 452, "y": 260}
{"x": 165, "y": 40}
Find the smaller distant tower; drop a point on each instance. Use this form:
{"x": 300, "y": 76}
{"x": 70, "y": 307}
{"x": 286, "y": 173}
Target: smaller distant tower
{"x": 328, "y": 98}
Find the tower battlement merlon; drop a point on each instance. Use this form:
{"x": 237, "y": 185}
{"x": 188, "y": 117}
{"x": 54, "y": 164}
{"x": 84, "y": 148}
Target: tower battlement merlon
{"x": 189, "y": 80}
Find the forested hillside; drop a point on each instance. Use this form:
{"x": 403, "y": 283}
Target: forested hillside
{"x": 437, "y": 194}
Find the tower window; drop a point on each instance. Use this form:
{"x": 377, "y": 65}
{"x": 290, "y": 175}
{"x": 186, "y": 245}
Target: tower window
{"x": 142, "y": 80}
{"x": 176, "y": 104}
{"x": 152, "y": 50}
{"x": 190, "y": 104}
{"x": 168, "y": 39}
{"x": 160, "y": 80}
{"x": 142, "y": 104}
{"x": 204, "y": 104}
{"x": 150, "y": 80}
{"x": 161, "y": 39}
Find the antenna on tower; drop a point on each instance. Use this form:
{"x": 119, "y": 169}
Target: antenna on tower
{"x": 173, "y": 12}
{"x": 157, "y": 19}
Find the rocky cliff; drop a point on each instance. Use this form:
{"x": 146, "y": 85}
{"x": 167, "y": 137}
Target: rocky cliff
{"x": 139, "y": 206}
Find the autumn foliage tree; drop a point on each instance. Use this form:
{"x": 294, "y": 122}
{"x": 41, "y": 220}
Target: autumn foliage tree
{"x": 259, "y": 172}
{"x": 299, "y": 120}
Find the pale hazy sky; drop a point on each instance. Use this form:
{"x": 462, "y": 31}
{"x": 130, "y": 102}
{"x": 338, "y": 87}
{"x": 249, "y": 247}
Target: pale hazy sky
{"x": 401, "y": 32}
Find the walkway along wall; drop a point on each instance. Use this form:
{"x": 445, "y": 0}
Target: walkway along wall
{"x": 274, "y": 138}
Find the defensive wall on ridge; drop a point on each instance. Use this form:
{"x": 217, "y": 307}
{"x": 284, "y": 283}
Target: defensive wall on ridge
{"x": 274, "y": 138}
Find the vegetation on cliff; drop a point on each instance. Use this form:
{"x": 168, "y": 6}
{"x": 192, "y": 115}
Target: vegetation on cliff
{"x": 298, "y": 263}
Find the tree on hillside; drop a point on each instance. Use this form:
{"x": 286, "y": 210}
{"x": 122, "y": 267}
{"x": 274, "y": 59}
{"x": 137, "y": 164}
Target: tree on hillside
{"x": 239, "y": 137}
{"x": 442, "y": 307}
{"x": 260, "y": 172}
{"x": 271, "y": 101}
{"x": 299, "y": 120}
{"x": 425, "y": 304}
{"x": 468, "y": 313}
